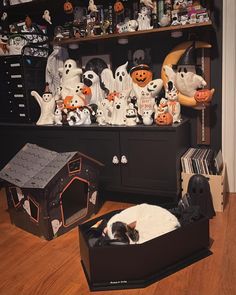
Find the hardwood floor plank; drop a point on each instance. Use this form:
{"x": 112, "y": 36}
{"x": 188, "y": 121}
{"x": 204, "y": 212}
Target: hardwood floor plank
{"x": 30, "y": 265}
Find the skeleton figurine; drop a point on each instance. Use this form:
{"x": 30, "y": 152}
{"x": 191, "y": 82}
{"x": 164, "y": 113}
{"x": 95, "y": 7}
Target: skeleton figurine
{"x": 173, "y": 103}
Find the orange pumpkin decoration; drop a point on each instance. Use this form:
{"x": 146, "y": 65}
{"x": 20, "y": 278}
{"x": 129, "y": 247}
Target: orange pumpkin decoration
{"x": 68, "y": 7}
{"x": 141, "y": 75}
{"x": 67, "y": 101}
{"x": 86, "y": 90}
{"x": 119, "y": 7}
{"x": 164, "y": 119}
{"x": 112, "y": 95}
{"x": 203, "y": 95}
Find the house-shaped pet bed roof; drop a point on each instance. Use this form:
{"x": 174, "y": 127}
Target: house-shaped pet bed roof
{"x": 48, "y": 192}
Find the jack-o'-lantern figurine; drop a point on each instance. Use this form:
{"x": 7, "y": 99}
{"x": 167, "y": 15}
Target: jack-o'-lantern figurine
{"x": 118, "y": 7}
{"x": 68, "y": 7}
{"x": 203, "y": 95}
{"x": 141, "y": 75}
{"x": 112, "y": 95}
{"x": 164, "y": 119}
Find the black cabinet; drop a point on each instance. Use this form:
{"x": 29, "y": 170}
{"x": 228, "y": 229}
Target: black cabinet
{"x": 140, "y": 159}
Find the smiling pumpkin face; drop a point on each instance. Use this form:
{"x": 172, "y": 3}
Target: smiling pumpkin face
{"x": 141, "y": 75}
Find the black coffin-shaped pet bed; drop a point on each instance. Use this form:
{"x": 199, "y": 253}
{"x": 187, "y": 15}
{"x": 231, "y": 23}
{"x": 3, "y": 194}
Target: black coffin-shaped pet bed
{"x": 136, "y": 266}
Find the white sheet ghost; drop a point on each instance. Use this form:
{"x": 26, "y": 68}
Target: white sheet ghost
{"x": 92, "y": 80}
{"x": 71, "y": 76}
{"x": 153, "y": 87}
{"x": 187, "y": 82}
{"x": 122, "y": 80}
{"x": 119, "y": 107}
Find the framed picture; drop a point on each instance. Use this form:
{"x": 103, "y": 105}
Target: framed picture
{"x": 96, "y": 63}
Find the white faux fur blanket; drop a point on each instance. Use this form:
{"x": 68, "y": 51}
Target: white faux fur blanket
{"x": 151, "y": 221}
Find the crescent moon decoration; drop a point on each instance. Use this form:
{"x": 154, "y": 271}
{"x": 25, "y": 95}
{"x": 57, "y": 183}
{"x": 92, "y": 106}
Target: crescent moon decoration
{"x": 172, "y": 59}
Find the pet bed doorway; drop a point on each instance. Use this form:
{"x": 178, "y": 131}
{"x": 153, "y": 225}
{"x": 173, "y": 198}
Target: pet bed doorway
{"x": 74, "y": 201}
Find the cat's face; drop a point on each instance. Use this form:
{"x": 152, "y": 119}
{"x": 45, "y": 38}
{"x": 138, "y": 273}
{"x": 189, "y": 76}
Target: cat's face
{"x": 124, "y": 233}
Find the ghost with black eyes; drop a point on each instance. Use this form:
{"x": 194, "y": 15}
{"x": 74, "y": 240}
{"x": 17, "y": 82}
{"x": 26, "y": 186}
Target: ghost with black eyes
{"x": 70, "y": 77}
{"x": 92, "y": 80}
{"x": 122, "y": 80}
{"x": 187, "y": 81}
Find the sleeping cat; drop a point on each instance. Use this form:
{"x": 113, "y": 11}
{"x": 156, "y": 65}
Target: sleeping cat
{"x": 141, "y": 223}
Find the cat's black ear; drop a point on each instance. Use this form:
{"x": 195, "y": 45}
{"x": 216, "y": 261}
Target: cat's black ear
{"x": 132, "y": 233}
{"x": 132, "y": 225}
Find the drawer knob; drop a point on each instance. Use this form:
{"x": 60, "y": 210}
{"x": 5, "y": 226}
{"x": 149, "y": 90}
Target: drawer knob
{"x": 115, "y": 160}
{"x": 124, "y": 160}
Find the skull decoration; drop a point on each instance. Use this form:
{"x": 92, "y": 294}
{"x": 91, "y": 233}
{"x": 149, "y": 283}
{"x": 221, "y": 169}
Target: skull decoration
{"x": 138, "y": 57}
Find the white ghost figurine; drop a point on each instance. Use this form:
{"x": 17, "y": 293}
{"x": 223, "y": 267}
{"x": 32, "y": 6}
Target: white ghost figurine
{"x": 103, "y": 111}
{"x": 119, "y": 108}
{"x": 187, "y": 82}
{"x": 46, "y": 16}
{"x": 92, "y": 7}
{"x": 144, "y": 19}
{"x": 47, "y": 107}
{"x": 58, "y": 117}
{"x": 121, "y": 81}
{"x": 70, "y": 76}
{"x": 92, "y": 80}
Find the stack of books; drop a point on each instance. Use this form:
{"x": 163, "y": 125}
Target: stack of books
{"x": 202, "y": 161}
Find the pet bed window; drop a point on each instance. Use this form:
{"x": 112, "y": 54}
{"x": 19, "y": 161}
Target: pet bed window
{"x": 74, "y": 201}
{"x": 17, "y": 195}
{"x": 32, "y": 208}
{"x": 74, "y": 166}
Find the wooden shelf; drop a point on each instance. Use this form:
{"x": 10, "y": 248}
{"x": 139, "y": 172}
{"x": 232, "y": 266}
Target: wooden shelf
{"x": 131, "y": 34}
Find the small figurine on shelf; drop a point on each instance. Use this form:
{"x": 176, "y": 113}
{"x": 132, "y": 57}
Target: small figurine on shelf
{"x": 104, "y": 111}
{"x": 92, "y": 7}
{"x": 131, "y": 117}
{"x": 121, "y": 81}
{"x": 118, "y": 7}
{"x": 164, "y": 119}
{"x": 47, "y": 107}
{"x": 58, "y": 117}
{"x": 144, "y": 19}
{"x": 4, "y": 23}
{"x": 165, "y": 20}
{"x": 92, "y": 80}
{"x": 70, "y": 77}
{"x": 46, "y": 16}
{"x": 147, "y": 3}
{"x": 68, "y": 7}
{"x": 100, "y": 117}
{"x": 3, "y": 45}
{"x": 147, "y": 117}
{"x": 161, "y": 108}
{"x": 105, "y": 26}
{"x": 118, "y": 110}
{"x": 172, "y": 102}
{"x": 84, "y": 116}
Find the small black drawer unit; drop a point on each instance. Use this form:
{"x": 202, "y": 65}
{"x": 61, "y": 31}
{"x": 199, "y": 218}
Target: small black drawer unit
{"x": 20, "y": 75}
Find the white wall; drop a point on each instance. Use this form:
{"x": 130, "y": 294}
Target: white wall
{"x": 229, "y": 91}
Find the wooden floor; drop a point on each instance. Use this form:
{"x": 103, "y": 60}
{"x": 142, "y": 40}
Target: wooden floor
{"x": 32, "y": 266}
